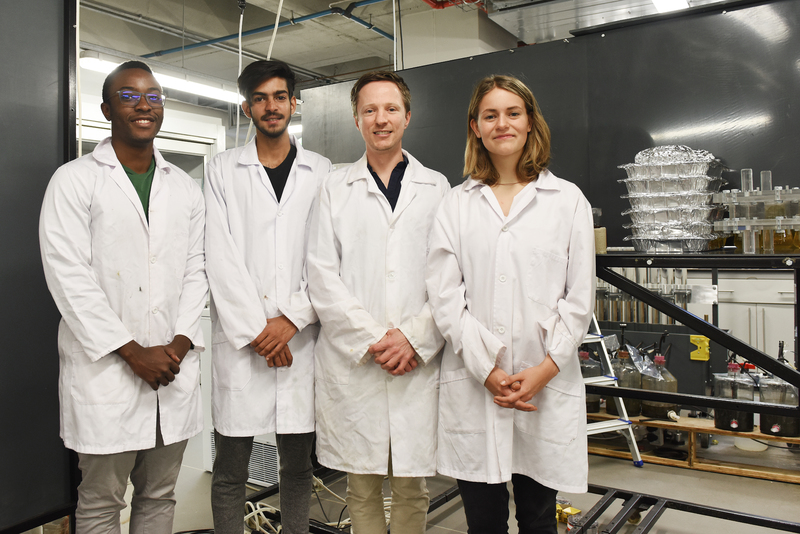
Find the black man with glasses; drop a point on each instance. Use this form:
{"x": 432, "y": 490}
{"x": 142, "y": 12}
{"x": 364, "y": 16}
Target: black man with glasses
{"x": 121, "y": 235}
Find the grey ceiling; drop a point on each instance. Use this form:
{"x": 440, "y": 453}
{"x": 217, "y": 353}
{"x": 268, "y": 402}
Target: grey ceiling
{"x": 325, "y": 49}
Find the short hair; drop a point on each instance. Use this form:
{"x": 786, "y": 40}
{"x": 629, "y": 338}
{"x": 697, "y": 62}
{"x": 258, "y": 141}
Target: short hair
{"x": 380, "y": 76}
{"x": 536, "y": 152}
{"x": 262, "y": 70}
{"x": 119, "y": 68}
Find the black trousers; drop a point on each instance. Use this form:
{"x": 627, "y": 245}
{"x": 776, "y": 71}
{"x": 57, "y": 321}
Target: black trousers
{"x": 486, "y": 506}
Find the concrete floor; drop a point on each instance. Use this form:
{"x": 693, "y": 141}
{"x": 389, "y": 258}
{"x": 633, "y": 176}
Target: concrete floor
{"x": 752, "y": 496}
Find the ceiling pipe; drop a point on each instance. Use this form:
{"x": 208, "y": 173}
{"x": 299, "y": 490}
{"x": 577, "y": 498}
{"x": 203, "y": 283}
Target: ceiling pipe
{"x": 160, "y": 27}
{"x": 441, "y": 4}
{"x": 293, "y": 21}
{"x": 347, "y": 13}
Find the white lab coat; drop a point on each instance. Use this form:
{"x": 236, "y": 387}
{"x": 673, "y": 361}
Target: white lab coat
{"x": 255, "y": 263}
{"x": 507, "y": 291}
{"x": 116, "y": 278}
{"x": 366, "y": 267}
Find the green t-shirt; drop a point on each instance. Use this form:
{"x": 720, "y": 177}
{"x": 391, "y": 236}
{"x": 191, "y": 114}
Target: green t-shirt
{"x": 143, "y": 183}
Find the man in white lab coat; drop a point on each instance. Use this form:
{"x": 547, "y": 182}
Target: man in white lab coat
{"x": 121, "y": 236}
{"x": 378, "y": 353}
{"x": 258, "y": 201}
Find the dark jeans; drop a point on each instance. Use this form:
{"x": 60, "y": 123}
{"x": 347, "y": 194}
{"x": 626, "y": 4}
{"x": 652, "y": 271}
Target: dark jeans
{"x": 228, "y": 492}
{"x": 486, "y": 506}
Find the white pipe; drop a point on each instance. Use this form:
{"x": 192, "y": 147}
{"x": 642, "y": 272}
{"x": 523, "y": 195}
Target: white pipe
{"x": 275, "y": 30}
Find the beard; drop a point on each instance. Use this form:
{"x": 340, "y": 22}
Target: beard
{"x": 275, "y": 132}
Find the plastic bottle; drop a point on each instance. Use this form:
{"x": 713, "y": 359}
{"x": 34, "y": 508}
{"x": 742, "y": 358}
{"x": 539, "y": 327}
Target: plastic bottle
{"x": 664, "y": 382}
{"x": 590, "y": 368}
{"x": 627, "y": 377}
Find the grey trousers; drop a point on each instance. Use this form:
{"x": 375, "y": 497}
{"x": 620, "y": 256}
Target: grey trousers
{"x": 228, "y": 492}
{"x": 101, "y": 494}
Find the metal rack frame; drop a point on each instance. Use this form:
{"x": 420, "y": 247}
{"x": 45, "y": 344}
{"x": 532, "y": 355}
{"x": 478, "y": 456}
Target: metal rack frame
{"x": 713, "y": 262}
{"x": 636, "y": 503}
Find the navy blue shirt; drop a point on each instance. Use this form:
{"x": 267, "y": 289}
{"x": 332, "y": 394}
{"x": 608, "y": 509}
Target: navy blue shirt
{"x": 392, "y": 193}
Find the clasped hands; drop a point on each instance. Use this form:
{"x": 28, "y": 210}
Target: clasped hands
{"x": 394, "y": 353}
{"x": 156, "y": 365}
{"x": 272, "y": 341}
{"x": 516, "y": 390}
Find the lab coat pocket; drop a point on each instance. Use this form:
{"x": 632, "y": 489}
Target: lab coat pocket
{"x": 546, "y": 278}
{"x": 461, "y": 403}
{"x": 557, "y": 419}
{"x": 231, "y": 368}
{"x": 189, "y": 377}
{"x": 106, "y": 381}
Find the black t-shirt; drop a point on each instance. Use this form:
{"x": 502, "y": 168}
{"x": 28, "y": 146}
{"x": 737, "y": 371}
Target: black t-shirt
{"x": 280, "y": 174}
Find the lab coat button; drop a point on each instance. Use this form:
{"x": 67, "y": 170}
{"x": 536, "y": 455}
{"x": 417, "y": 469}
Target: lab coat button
{"x": 505, "y": 228}
{"x": 155, "y": 310}
{"x": 391, "y": 275}
{"x": 280, "y": 266}
{"x": 502, "y": 278}
{"x": 501, "y": 330}
{"x": 153, "y": 259}
{"x": 280, "y": 214}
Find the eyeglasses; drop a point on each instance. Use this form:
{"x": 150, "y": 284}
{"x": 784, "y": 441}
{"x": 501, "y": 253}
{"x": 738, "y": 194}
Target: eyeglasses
{"x": 132, "y": 98}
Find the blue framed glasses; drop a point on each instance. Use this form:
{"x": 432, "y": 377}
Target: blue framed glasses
{"x": 132, "y": 98}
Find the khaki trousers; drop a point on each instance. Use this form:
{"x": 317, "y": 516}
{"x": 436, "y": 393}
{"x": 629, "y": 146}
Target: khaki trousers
{"x": 101, "y": 493}
{"x": 409, "y": 510}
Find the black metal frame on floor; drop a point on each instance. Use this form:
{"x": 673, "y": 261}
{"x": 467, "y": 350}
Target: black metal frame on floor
{"x": 713, "y": 262}
{"x": 637, "y": 503}
{"x": 328, "y": 475}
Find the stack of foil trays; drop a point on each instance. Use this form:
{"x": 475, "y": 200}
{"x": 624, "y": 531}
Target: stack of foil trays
{"x": 670, "y": 189}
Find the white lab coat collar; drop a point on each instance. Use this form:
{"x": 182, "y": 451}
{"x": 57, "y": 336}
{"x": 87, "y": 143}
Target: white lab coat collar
{"x": 104, "y": 153}
{"x": 359, "y": 171}
{"x": 545, "y": 180}
{"x": 249, "y": 155}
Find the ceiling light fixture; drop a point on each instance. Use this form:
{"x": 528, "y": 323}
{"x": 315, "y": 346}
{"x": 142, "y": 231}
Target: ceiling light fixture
{"x": 170, "y": 82}
{"x": 665, "y": 6}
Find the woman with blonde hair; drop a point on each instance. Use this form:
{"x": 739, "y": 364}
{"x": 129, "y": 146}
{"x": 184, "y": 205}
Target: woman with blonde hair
{"x": 511, "y": 280}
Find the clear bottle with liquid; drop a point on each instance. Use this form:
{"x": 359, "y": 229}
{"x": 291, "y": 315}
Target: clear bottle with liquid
{"x": 590, "y": 368}
{"x": 628, "y": 376}
{"x": 733, "y": 385}
{"x": 664, "y": 382}
{"x": 777, "y": 391}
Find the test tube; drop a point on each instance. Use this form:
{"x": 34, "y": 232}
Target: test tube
{"x": 747, "y": 180}
{"x": 766, "y": 180}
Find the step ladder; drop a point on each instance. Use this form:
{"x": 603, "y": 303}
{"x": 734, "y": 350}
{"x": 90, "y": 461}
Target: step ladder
{"x": 623, "y": 424}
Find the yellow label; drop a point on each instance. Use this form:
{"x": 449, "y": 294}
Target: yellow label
{"x": 701, "y": 354}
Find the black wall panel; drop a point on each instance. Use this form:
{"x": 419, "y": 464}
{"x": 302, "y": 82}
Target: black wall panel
{"x": 34, "y": 465}
{"x": 726, "y": 81}
{"x": 440, "y": 96}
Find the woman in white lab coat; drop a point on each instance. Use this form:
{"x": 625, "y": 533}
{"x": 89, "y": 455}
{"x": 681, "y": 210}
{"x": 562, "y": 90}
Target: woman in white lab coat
{"x": 511, "y": 281}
